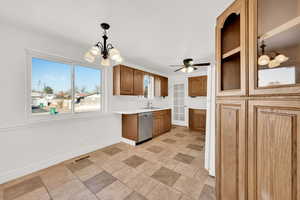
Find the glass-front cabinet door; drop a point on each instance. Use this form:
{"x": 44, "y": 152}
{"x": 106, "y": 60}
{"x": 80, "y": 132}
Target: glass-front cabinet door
{"x": 274, "y": 57}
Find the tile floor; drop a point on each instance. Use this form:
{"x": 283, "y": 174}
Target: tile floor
{"x": 169, "y": 167}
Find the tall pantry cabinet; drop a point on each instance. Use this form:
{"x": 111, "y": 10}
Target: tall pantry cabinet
{"x": 258, "y": 101}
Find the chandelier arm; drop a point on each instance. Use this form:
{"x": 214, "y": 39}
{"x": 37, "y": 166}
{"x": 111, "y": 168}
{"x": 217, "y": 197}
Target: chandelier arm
{"x": 100, "y": 45}
{"x": 110, "y": 46}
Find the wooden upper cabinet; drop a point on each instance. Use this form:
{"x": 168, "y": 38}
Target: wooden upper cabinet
{"x": 160, "y": 86}
{"x": 123, "y": 80}
{"x": 138, "y": 85}
{"x": 276, "y": 24}
{"x": 231, "y": 150}
{"x": 274, "y": 150}
{"x": 197, "y": 86}
{"x": 231, "y": 50}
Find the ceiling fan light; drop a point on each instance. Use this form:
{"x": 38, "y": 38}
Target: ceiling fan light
{"x": 114, "y": 54}
{"x": 105, "y": 62}
{"x": 95, "y": 51}
{"x": 189, "y": 69}
{"x": 263, "y": 60}
{"x": 274, "y": 63}
{"x": 89, "y": 57}
{"x": 281, "y": 58}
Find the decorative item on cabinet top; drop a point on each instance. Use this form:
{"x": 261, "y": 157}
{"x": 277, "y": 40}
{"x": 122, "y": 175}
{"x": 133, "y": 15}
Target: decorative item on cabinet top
{"x": 130, "y": 81}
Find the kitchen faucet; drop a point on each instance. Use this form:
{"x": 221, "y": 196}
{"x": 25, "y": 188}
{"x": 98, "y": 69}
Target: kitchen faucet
{"x": 149, "y": 104}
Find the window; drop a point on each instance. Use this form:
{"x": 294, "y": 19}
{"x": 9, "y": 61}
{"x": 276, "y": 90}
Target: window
{"x": 148, "y": 87}
{"x": 64, "y": 87}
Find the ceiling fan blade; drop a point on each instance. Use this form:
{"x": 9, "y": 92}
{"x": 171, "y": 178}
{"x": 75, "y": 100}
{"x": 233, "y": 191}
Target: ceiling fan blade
{"x": 178, "y": 69}
{"x": 195, "y": 68}
{"x": 201, "y": 64}
{"x": 176, "y": 65}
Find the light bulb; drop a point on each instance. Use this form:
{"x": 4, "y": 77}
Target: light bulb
{"x": 95, "y": 51}
{"x": 89, "y": 57}
{"x": 105, "y": 62}
{"x": 119, "y": 59}
{"x": 281, "y": 58}
{"x": 263, "y": 60}
{"x": 274, "y": 63}
{"x": 189, "y": 69}
{"x": 183, "y": 70}
{"x": 114, "y": 54}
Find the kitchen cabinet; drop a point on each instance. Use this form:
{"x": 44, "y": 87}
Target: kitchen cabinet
{"x": 130, "y": 81}
{"x": 274, "y": 149}
{"x": 231, "y": 150}
{"x": 231, "y": 49}
{"x": 262, "y": 161}
{"x": 280, "y": 35}
{"x": 197, "y": 86}
{"x": 138, "y": 83}
{"x": 160, "y": 86}
{"x": 161, "y": 122}
{"x": 197, "y": 120}
{"x": 123, "y": 83}
{"x": 130, "y": 126}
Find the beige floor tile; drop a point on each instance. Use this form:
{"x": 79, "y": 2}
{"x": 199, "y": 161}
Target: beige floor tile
{"x": 113, "y": 166}
{"x": 126, "y": 174}
{"x": 184, "y": 158}
{"x": 84, "y": 195}
{"x": 134, "y": 161}
{"x": 135, "y": 196}
{"x": 112, "y": 150}
{"x": 163, "y": 192}
{"x": 99, "y": 157}
{"x": 100, "y": 181}
{"x": 186, "y": 170}
{"x": 68, "y": 190}
{"x": 56, "y": 176}
{"x": 189, "y": 186}
{"x": 115, "y": 191}
{"x": 201, "y": 175}
{"x": 148, "y": 167}
{"x": 81, "y": 164}
{"x": 142, "y": 184}
{"x": 166, "y": 176}
{"x": 208, "y": 193}
{"x": 184, "y": 197}
{"x": 211, "y": 181}
{"x": 155, "y": 149}
{"x": 38, "y": 194}
{"x": 88, "y": 172}
{"x": 22, "y": 188}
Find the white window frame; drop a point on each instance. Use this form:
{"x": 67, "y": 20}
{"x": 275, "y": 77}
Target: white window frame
{"x": 73, "y": 63}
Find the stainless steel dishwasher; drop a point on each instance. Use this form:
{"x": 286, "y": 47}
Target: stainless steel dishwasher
{"x": 145, "y": 126}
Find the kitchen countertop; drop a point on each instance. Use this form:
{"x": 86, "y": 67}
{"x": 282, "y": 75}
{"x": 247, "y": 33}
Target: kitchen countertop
{"x": 128, "y": 112}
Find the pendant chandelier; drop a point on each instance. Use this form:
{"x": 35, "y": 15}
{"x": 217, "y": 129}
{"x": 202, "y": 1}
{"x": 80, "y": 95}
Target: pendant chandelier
{"x": 272, "y": 61}
{"x": 104, "y": 49}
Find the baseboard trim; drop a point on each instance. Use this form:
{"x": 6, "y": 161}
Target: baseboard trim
{"x": 20, "y": 172}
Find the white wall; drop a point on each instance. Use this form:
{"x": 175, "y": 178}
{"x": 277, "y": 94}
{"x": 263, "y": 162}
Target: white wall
{"x": 26, "y": 145}
{"x": 196, "y": 103}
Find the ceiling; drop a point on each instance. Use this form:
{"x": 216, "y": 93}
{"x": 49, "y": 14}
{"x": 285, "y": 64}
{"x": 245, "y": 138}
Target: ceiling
{"x": 152, "y": 33}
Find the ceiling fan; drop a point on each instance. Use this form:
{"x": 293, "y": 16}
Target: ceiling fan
{"x": 189, "y": 66}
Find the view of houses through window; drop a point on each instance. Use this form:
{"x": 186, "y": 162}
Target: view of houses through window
{"x": 64, "y": 88}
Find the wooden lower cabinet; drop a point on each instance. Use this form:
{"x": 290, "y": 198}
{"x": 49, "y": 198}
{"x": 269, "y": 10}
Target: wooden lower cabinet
{"x": 274, "y": 150}
{"x": 130, "y": 126}
{"x": 197, "y": 120}
{"x": 231, "y": 150}
{"x": 161, "y": 122}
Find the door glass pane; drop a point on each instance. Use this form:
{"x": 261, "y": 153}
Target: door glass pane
{"x": 179, "y": 110}
{"x": 50, "y": 87}
{"x": 278, "y": 42}
{"x": 88, "y": 89}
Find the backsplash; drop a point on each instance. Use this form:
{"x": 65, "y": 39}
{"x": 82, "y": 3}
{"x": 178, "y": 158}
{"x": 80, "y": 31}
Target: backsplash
{"x": 120, "y": 103}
